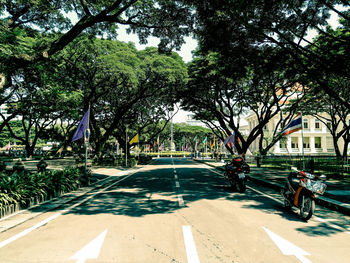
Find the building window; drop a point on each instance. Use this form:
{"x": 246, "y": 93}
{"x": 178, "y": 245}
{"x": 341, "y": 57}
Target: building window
{"x": 295, "y": 142}
{"x": 329, "y": 125}
{"x": 306, "y": 123}
{"x": 317, "y": 124}
{"x": 318, "y": 142}
{"x": 283, "y": 144}
{"x": 306, "y": 142}
{"x": 329, "y": 141}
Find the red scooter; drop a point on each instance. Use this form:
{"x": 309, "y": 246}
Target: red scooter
{"x": 303, "y": 194}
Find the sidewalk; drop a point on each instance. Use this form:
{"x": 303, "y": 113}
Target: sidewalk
{"x": 336, "y": 197}
{"x": 99, "y": 177}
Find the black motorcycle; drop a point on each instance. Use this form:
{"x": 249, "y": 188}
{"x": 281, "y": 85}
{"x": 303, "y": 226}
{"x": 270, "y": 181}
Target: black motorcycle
{"x": 235, "y": 173}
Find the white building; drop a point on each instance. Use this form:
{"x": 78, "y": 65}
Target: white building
{"x": 314, "y": 139}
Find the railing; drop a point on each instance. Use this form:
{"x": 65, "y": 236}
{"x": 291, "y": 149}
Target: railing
{"x": 325, "y": 164}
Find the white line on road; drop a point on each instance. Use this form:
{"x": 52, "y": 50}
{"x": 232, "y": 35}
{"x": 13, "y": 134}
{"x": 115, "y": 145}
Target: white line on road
{"x": 45, "y": 221}
{"x": 177, "y": 184}
{"x": 175, "y": 176}
{"x": 279, "y": 201}
{"x": 191, "y": 251}
{"x": 27, "y": 231}
{"x": 180, "y": 200}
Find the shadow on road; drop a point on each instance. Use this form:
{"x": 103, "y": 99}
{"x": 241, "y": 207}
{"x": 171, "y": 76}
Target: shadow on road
{"x": 155, "y": 192}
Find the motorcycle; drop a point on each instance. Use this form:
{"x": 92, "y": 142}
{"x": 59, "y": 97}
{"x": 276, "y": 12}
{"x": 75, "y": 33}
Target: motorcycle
{"x": 235, "y": 173}
{"x": 304, "y": 194}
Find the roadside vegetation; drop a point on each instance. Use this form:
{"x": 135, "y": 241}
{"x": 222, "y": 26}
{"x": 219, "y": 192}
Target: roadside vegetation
{"x": 23, "y": 188}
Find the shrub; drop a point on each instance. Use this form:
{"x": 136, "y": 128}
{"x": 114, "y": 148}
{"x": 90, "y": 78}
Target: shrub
{"x": 132, "y": 162}
{"x": 22, "y": 186}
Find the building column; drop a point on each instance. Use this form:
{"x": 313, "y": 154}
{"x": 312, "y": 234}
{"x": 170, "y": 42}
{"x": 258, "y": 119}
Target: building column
{"x": 312, "y": 144}
{"x": 289, "y": 144}
{"x": 300, "y": 142}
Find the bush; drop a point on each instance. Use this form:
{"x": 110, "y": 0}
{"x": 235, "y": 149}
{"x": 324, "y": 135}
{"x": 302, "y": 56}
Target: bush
{"x": 21, "y": 186}
{"x": 144, "y": 159}
{"x": 132, "y": 162}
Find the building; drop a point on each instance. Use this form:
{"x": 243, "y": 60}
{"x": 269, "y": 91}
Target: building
{"x": 314, "y": 137}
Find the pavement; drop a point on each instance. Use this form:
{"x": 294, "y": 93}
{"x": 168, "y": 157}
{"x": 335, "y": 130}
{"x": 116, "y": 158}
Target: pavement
{"x": 100, "y": 176}
{"x": 336, "y": 197}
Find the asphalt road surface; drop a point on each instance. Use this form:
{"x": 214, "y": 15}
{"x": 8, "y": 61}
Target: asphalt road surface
{"x": 177, "y": 210}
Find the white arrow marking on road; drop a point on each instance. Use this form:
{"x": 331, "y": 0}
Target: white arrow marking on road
{"x": 287, "y": 247}
{"x": 91, "y": 250}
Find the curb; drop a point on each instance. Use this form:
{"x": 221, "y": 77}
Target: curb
{"x": 320, "y": 200}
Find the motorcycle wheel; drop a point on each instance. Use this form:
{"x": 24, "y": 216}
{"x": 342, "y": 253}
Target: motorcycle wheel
{"x": 232, "y": 182}
{"x": 307, "y": 208}
{"x": 287, "y": 204}
{"x": 241, "y": 186}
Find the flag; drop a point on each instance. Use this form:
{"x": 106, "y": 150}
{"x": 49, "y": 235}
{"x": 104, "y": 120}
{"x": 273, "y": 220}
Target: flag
{"x": 230, "y": 139}
{"x": 158, "y": 140}
{"x": 195, "y": 138}
{"x": 8, "y": 147}
{"x": 213, "y": 144}
{"x": 205, "y": 140}
{"x": 83, "y": 125}
{"x": 135, "y": 139}
{"x": 293, "y": 126}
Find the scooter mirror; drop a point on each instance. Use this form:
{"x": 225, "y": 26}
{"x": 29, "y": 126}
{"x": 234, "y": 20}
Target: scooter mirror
{"x": 323, "y": 177}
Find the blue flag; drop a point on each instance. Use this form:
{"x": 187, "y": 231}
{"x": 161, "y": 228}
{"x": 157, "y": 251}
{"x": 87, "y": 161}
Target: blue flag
{"x": 83, "y": 125}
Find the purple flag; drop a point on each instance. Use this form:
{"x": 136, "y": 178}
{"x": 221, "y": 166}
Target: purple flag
{"x": 83, "y": 125}
{"x": 230, "y": 139}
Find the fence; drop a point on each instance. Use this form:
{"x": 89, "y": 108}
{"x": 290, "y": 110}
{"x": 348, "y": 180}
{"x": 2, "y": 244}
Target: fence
{"x": 330, "y": 165}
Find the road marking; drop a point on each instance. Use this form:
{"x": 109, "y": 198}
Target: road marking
{"x": 322, "y": 220}
{"x": 287, "y": 248}
{"x": 45, "y": 221}
{"x": 346, "y": 231}
{"x": 177, "y": 184}
{"x": 191, "y": 251}
{"x": 175, "y": 176}
{"x": 266, "y": 195}
{"x": 27, "y": 231}
{"x": 91, "y": 250}
{"x": 180, "y": 200}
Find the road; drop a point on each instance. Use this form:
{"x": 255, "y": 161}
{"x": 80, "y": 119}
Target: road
{"x": 177, "y": 210}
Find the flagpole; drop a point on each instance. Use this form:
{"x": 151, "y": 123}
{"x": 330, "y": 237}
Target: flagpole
{"x": 126, "y": 146}
{"x": 302, "y": 141}
{"x": 86, "y": 142}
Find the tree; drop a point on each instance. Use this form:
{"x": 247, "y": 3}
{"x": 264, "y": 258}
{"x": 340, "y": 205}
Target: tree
{"x": 337, "y": 115}
{"x": 261, "y": 84}
{"x": 240, "y": 25}
{"x": 38, "y": 104}
{"x": 123, "y": 86}
{"x": 23, "y": 22}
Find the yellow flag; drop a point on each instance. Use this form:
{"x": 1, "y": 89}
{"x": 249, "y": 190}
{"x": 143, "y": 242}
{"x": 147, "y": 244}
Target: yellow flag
{"x": 134, "y": 139}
